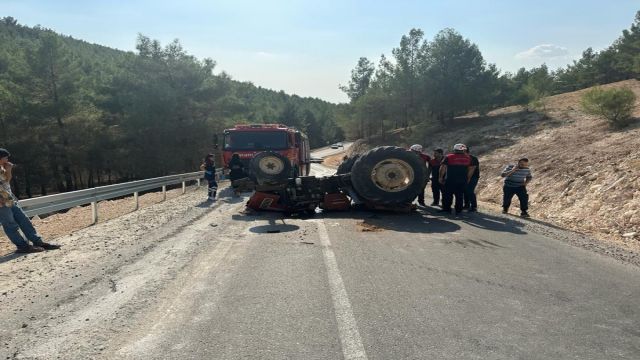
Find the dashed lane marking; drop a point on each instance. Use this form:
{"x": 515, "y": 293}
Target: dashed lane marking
{"x": 352, "y": 347}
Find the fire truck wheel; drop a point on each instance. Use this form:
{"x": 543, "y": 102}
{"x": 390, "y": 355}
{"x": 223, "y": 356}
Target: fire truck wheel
{"x": 345, "y": 166}
{"x": 388, "y": 175}
{"x": 271, "y": 167}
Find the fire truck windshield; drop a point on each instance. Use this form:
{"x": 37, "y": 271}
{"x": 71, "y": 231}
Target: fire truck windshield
{"x": 256, "y": 140}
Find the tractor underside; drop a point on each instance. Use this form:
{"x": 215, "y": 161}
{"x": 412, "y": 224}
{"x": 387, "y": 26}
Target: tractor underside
{"x": 385, "y": 178}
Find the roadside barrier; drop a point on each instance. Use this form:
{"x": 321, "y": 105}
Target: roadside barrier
{"x": 52, "y": 203}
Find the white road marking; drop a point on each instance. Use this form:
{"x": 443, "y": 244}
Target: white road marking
{"x": 352, "y": 347}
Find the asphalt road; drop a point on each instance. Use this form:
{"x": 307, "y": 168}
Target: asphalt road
{"x": 416, "y": 287}
{"x": 357, "y": 285}
{"x": 328, "y": 151}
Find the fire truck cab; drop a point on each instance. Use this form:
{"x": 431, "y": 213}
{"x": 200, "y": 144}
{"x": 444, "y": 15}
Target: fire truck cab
{"x": 249, "y": 140}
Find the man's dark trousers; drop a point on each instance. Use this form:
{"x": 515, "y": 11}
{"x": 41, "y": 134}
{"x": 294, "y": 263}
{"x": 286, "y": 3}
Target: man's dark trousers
{"x": 451, "y": 190}
{"x": 421, "y": 194}
{"x": 470, "y": 200}
{"x": 436, "y": 189}
{"x": 520, "y": 192}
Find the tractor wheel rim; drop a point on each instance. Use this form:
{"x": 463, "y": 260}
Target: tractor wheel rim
{"x": 392, "y": 175}
{"x": 271, "y": 165}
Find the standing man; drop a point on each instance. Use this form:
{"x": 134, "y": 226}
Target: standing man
{"x": 434, "y": 169}
{"x": 455, "y": 174}
{"x": 417, "y": 149}
{"x": 470, "y": 200}
{"x": 13, "y": 218}
{"x": 516, "y": 178}
{"x": 209, "y": 168}
{"x": 236, "y": 172}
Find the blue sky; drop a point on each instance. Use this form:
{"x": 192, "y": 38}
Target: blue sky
{"x": 309, "y": 47}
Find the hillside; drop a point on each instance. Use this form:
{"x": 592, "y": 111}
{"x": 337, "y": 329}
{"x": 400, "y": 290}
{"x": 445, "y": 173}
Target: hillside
{"x": 102, "y": 115}
{"x": 586, "y": 176}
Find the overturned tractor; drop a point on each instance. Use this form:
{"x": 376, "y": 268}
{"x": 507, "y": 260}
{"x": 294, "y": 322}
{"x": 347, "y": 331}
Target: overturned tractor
{"x": 384, "y": 178}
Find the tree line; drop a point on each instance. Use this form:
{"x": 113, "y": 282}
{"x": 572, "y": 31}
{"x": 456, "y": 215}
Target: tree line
{"x": 432, "y": 81}
{"x": 78, "y": 115}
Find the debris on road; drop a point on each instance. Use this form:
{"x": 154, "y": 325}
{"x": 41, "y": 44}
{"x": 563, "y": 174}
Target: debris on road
{"x": 364, "y": 226}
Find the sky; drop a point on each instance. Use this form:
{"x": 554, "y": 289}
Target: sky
{"x": 309, "y": 47}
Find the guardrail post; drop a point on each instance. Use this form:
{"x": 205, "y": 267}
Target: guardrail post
{"x": 164, "y": 192}
{"x": 198, "y": 182}
{"x": 94, "y": 212}
{"x": 135, "y": 199}
{"x": 184, "y": 187}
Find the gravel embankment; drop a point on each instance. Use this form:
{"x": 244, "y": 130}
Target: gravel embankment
{"x": 101, "y": 273}
{"x": 58, "y": 225}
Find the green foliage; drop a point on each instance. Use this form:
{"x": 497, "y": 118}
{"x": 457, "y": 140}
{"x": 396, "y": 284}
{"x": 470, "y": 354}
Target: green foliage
{"x": 360, "y": 79}
{"x": 427, "y": 80}
{"x": 539, "y": 85}
{"x": 431, "y": 82}
{"x": 615, "y": 105}
{"x": 79, "y": 115}
{"x": 457, "y": 77}
{"x": 620, "y": 61}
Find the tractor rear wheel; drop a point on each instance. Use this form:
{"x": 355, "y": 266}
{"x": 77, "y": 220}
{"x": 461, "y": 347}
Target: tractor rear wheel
{"x": 388, "y": 175}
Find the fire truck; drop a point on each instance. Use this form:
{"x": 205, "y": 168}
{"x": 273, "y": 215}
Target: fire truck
{"x": 249, "y": 141}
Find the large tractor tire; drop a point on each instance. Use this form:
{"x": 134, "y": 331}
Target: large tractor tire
{"x": 346, "y": 166}
{"x": 388, "y": 175}
{"x": 270, "y": 167}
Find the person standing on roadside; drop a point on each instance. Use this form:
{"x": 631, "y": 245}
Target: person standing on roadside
{"x": 417, "y": 149}
{"x": 516, "y": 177}
{"x": 13, "y": 218}
{"x": 455, "y": 173}
{"x": 470, "y": 200}
{"x": 209, "y": 168}
{"x": 236, "y": 171}
{"x": 434, "y": 170}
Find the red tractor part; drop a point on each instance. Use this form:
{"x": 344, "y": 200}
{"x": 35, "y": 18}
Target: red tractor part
{"x": 336, "y": 202}
{"x": 265, "y": 201}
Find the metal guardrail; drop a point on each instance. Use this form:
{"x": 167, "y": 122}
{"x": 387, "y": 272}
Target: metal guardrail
{"x": 52, "y": 203}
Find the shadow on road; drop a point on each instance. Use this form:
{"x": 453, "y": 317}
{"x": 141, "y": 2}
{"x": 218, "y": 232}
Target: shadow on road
{"x": 482, "y": 221}
{"x": 273, "y": 228}
{"x": 408, "y": 223}
{"x": 9, "y": 257}
{"x": 493, "y": 223}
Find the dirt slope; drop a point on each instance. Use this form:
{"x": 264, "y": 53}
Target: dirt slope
{"x": 586, "y": 176}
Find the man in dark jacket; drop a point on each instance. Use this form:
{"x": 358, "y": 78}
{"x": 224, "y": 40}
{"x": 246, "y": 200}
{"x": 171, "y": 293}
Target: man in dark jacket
{"x": 455, "y": 173}
{"x": 236, "y": 172}
{"x": 417, "y": 149}
{"x": 209, "y": 168}
{"x": 470, "y": 200}
{"x": 434, "y": 170}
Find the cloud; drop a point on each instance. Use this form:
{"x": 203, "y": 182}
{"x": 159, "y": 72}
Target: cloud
{"x": 543, "y": 51}
{"x": 266, "y": 55}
